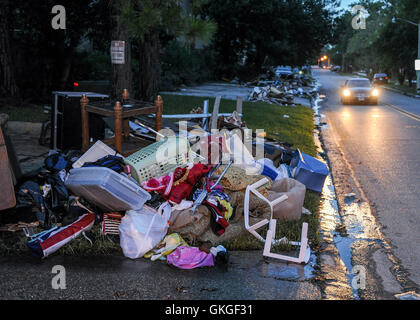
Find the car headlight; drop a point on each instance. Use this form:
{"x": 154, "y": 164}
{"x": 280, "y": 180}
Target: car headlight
{"x": 375, "y": 92}
{"x": 346, "y": 93}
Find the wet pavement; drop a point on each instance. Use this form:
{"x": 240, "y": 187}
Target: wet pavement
{"x": 248, "y": 277}
{"x": 373, "y": 154}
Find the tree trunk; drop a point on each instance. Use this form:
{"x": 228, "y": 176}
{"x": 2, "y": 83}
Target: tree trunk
{"x": 120, "y": 73}
{"x": 149, "y": 67}
{"x": 8, "y": 85}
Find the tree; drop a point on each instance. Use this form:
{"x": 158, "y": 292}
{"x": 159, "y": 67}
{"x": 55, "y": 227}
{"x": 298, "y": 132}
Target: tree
{"x": 384, "y": 46}
{"x": 53, "y": 50}
{"x": 8, "y": 85}
{"x": 150, "y": 20}
{"x": 278, "y": 32}
{"x": 121, "y": 77}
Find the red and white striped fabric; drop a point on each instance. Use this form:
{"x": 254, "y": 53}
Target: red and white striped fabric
{"x": 63, "y": 235}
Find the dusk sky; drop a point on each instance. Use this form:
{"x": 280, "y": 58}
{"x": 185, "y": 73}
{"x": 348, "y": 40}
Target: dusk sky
{"x": 345, "y": 3}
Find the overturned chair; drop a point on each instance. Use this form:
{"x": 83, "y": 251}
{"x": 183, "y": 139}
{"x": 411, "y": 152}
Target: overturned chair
{"x": 305, "y": 250}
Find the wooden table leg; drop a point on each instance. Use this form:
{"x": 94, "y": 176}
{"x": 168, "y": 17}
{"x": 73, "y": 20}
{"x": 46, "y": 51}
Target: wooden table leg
{"x": 118, "y": 126}
{"x": 159, "y": 110}
{"x": 126, "y": 128}
{"x": 85, "y": 122}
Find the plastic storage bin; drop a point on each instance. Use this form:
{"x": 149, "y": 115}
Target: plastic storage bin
{"x": 308, "y": 170}
{"x": 159, "y": 158}
{"x": 97, "y": 151}
{"x": 106, "y": 188}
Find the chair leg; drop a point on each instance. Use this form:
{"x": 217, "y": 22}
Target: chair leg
{"x": 304, "y": 248}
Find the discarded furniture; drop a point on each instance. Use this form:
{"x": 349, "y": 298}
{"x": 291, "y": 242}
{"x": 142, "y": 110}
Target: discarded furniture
{"x": 14, "y": 164}
{"x": 253, "y": 188}
{"x": 123, "y": 142}
{"x": 7, "y": 194}
{"x": 214, "y": 116}
{"x": 66, "y": 125}
{"x": 304, "y": 252}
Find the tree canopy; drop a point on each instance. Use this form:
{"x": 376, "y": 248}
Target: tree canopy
{"x": 388, "y": 44}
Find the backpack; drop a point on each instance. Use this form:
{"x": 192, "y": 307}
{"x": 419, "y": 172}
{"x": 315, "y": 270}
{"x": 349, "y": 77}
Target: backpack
{"x": 56, "y": 162}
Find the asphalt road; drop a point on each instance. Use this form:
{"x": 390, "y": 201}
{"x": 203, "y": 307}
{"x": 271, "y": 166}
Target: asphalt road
{"x": 247, "y": 277}
{"x": 382, "y": 146}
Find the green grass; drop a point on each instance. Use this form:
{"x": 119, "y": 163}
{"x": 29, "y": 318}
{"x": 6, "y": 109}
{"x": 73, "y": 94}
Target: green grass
{"x": 298, "y": 130}
{"x": 404, "y": 88}
{"x": 27, "y": 114}
{"x": 15, "y": 243}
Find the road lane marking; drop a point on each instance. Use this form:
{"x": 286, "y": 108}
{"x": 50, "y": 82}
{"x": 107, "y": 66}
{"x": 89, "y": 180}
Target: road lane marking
{"x": 406, "y": 113}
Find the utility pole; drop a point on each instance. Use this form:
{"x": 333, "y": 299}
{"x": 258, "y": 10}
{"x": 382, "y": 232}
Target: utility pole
{"x": 418, "y": 57}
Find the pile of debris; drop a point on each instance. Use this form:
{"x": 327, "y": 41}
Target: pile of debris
{"x": 177, "y": 199}
{"x": 282, "y": 89}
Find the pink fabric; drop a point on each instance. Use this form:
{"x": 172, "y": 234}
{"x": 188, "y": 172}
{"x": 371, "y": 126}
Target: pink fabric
{"x": 190, "y": 258}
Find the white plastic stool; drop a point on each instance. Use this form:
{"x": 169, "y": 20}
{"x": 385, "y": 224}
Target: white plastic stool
{"x": 253, "y": 188}
{"x": 305, "y": 250}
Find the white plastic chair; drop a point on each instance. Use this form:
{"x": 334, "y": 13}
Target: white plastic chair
{"x": 305, "y": 250}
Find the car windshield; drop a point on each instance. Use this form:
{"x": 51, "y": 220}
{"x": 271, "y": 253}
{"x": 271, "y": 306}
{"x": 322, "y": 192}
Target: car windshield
{"x": 380, "y": 75}
{"x": 358, "y": 83}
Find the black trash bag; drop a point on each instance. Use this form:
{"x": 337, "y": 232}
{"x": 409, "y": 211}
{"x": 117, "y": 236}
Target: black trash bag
{"x": 72, "y": 156}
{"x": 50, "y": 208}
{"x": 59, "y": 194}
{"x": 287, "y": 155}
{"x": 30, "y": 194}
{"x": 72, "y": 214}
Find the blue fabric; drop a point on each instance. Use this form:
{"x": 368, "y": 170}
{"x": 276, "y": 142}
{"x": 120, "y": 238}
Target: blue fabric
{"x": 55, "y": 162}
{"x": 34, "y": 244}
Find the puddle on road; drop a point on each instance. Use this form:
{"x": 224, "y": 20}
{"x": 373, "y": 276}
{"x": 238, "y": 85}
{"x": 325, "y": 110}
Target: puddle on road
{"x": 349, "y": 228}
{"x": 288, "y": 271}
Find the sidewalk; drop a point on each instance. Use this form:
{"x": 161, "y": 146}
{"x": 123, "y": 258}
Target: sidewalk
{"x": 402, "y": 92}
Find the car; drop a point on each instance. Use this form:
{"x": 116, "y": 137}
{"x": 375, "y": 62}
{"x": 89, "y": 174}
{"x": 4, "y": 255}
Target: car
{"x": 359, "y": 90}
{"x": 284, "y": 71}
{"x": 380, "y": 78}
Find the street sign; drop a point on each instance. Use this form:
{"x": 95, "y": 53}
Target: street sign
{"x": 117, "y": 52}
{"x": 417, "y": 65}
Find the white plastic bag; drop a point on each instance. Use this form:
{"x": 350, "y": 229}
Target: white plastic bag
{"x": 142, "y": 230}
{"x": 283, "y": 172}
